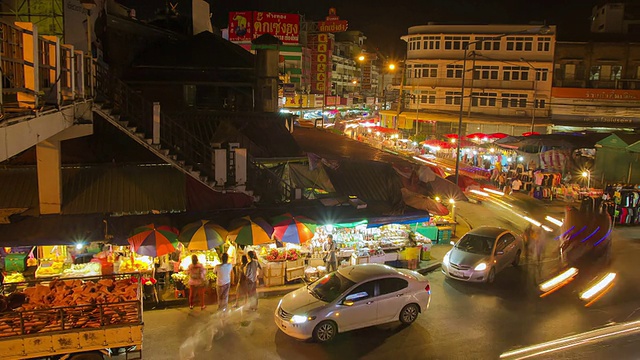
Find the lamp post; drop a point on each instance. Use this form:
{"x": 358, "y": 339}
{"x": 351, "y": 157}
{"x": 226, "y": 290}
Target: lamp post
{"x": 390, "y": 67}
{"x": 535, "y": 92}
{"x": 538, "y": 30}
{"x": 88, "y": 5}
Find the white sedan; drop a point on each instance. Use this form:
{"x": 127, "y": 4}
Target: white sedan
{"x": 352, "y": 298}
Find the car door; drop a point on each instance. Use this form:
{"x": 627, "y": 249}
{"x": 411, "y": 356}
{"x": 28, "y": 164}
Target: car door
{"x": 358, "y": 308}
{"x": 393, "y": 295}
{"x": 507, "y": 246}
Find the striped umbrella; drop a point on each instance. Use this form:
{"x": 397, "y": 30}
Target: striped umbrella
{"x": 152, "y": 241}
{"x": 293, "y": 229}
{"x": 249, "y": 231}
{"x": 202, "y": 235}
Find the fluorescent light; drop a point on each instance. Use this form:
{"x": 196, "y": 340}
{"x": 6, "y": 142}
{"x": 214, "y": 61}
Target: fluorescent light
{"x": 550, "y": 284}
{"x": 598, "y": 286}
{"x": 551, "y": 219}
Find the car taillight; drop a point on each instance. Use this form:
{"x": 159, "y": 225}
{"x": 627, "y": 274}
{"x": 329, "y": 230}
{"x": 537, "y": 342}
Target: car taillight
{"x": 427, "y": 288}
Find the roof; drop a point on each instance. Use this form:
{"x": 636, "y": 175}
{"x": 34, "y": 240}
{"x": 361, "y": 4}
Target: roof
{"x": 487, "y": 231}
{"x": 358, "y": 273}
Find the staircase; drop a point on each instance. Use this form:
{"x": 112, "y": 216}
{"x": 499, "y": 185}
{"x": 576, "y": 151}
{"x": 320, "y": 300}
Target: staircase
{"x": 129, "y": 112}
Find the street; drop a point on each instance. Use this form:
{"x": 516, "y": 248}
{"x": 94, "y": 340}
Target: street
{"x": 465, "y": 321}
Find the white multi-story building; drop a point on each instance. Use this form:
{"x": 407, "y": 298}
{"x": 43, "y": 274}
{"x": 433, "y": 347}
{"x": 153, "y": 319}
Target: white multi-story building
{"x": 507, "y": 84}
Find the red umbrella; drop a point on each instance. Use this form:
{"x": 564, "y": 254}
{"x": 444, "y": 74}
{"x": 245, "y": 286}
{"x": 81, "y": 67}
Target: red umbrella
{"x": 452, "y": 136}
{"x": 436, "y": 142}
{"x": 529, "y": 133}
{"x": 498, "y": 135}
{"x": 476, "y": 135}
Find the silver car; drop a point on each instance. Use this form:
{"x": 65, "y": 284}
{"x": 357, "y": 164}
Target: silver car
{"x": 482, "y": 253}
{"x": 352, "y": 298}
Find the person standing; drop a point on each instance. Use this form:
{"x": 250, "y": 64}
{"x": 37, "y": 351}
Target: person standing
{"x": 251, "y": 273}
{"x": 223, "y": 281}
{"x": 197, "y": 276}
{"x": 330, "y": 258}
{"x": 241, "y": 288}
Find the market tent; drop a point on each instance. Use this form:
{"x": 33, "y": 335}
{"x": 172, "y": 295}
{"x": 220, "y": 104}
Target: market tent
{"x": 302, "y": 177}
{"x": 635, "y": 147}
{"x": 423, "y": 202}
{"x": 408, "y": 218}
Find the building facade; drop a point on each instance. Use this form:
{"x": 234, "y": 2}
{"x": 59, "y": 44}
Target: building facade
{"x": 616, "y": 17}
{"x": 507, "y": 84}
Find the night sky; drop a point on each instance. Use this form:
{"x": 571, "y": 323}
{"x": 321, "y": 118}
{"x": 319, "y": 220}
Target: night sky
{"x": 384, "y": 21}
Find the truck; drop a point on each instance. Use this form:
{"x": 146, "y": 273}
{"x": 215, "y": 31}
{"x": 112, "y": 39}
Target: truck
{"x": 74, "y": 318}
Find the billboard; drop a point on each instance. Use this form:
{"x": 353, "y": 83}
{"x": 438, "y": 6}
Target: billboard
{"x": 249, "y": 25}
{"x": 332, "y": 23}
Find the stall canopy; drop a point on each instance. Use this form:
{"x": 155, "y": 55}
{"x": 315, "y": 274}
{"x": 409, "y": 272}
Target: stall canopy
{"x": 409, "y": 218}
{"x": 52, "y": 230}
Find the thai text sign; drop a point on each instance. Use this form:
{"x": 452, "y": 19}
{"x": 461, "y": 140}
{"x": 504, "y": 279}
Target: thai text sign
{"x": 596, "y": 94}
{"x": 249, "y": 25}
{"x": 333, "y": 26}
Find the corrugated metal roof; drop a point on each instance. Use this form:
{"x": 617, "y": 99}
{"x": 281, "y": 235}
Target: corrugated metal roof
{"x": 130, "y": 189}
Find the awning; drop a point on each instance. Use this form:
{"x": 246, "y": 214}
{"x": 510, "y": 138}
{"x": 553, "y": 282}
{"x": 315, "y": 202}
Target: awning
{"x": 52, "y": 230}
{"x": 410, "y": 218}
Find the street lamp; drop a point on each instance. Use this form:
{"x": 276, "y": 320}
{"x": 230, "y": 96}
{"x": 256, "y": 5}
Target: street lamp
{"x": 390, "y": 67}
{"x": 587, "y": 174}
{"x": 538, "y": 30}
{"x": 535, "y": 91}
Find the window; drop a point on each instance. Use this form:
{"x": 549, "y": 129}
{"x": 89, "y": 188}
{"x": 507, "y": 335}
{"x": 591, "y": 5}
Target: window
{"x": 456, "y": 42}
{"x": 362, "y": 292}
{"x": 519, "y": 43}
{"x": 425, "y": 70}
{"x": 391, "y": 285}
{"x": 594, "y": 73}
{"x": 428, "y": 97}
{"x": 514, "y": 100}
{"x": 488, "y": 43}
{"x": 504, "y": 241}
{"x": 431, "y": 43}
{"x": 638, "y": 72}
{"x": 569, "y": 72}
{"x": 616, "y": 72}
{"x": 542, "y": 74}
{"x": 540, "y": 103}
{"x": 452, "y": 97}
{"x": 544, "y": 44}
{"x": 414, "y": 43}
{"x": 484, "y": 99}
{"x": 454, "y": 71}
{"x": 486, "y": 72}
{"x": 515, "y": 73}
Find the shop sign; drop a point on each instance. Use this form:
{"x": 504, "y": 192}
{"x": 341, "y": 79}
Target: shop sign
{"x": 249, "y": 25}
{"x": 289, "y": 90}
{"x": 596, "y": 94}
{"x": 591, "y": 120}
{"x": 332, "y": 23}
{"x": 318, "y": 100}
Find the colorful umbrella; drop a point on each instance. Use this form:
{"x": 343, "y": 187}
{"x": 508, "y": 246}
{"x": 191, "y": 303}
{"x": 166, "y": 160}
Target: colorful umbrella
{"x": 498, "y": 135}
{"x": 249, "y": 231}
{"x": 478, "y": 135}
{"x": 202, "y": 235}
{"x": 152, "y": 241}
{"x": 293, "y": 229}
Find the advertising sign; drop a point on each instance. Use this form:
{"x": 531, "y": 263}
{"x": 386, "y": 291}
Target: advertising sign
{"x": 596, "y": 94}
{"x": 320, "y": 45}
{"x": 289, "y": 90}
{"x": 249, "y": 25}
{"x": 332, "y": 23}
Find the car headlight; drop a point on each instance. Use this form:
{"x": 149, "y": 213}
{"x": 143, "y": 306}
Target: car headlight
{"x": 300, "y": 319}
{"x": 445, "y": 259}
{"x": 480, "y": 267}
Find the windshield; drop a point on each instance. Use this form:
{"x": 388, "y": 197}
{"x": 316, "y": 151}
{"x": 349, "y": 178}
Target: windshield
{"x": 476, "y": 244}
{"x": 329, "y": 287}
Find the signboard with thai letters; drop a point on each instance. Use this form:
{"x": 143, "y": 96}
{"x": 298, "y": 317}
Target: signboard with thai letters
{"x": 332, "y": 23}
{"x": 595, "y": 106}
{"x": 321, "y": 49}
{"x": 249, "y": 25}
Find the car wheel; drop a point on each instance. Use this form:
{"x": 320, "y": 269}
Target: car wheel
{"x": 492, "y": 276}
{"x": 516, "y": 261}
{"x": 325, "y": 331}
{"x": 409, "y": 314}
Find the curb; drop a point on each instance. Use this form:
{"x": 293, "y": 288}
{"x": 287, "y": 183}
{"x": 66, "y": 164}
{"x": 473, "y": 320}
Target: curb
{"x": 429, "y": 268}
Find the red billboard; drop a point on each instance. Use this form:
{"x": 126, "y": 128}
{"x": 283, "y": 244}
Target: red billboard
{"x": 248, "y": 25}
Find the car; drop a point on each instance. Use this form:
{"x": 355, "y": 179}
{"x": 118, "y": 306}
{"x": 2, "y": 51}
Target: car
{"x": 482, "y": 253}
{"x": 351, "y": 298}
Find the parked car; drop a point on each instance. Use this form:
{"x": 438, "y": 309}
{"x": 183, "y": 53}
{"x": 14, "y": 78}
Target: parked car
{"x": 351, "y": 298}
{"x": 482, "y": 253}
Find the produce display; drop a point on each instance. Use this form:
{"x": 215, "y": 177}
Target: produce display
{"x": 138, "y": 264}
{"x": 50, "y": 268}
{"x": 81, "y": 270}
{"x": 69, "y": 304}
{"x": 281, "y": 255}
{"x": 14, "y": 278}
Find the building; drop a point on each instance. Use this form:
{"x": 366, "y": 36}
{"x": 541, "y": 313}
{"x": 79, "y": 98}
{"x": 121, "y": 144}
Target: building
{"x": 509, "y": 88}
{"x": 596, "y": 84}
{"x": 616, "y": 17}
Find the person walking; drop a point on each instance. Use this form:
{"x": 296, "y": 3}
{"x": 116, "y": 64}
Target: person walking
{"x": 251, "y": 273}
{"x": 330, "y": 258}
{"x": 223, "y": 281}
{"x": 241, "y": 287}
{"x": 197, "y": 276}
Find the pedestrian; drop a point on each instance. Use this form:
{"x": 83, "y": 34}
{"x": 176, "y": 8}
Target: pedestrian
{"x": 223, "y": 281}
{"x": 197, "y": 276}
{"x": 527, "y": 239}
{"x": 241, "y": 288}
{"x": 251, "y": 272}
{"x": 330, "y": 258}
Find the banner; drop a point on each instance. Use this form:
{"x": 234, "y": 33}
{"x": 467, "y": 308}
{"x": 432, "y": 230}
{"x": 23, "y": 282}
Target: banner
{"x": 249, "y": 25}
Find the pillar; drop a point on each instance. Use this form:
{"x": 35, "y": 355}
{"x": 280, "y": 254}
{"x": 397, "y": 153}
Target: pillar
{"x": 49, "y": 164}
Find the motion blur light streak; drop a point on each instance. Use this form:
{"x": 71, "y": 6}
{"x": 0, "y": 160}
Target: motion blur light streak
{"x": 604, "y": 237}
{"x": 579, "y": 232}
{"x": 496, "y": 192}
{"x": 478, "y": 192}
{"x": 589, "y": 337}
{"x": 553, "y": 220}
{"x": 534, "y": 222}
{"x": 558, "y": 280}
{"x": 598, "y": 287}
{"x": 565, "y": 233}
{"x": 546, "y": 228}
{"x": 590, "y": 235}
